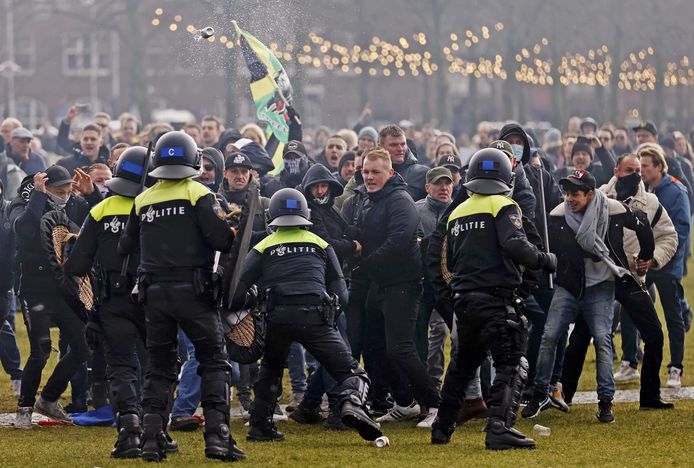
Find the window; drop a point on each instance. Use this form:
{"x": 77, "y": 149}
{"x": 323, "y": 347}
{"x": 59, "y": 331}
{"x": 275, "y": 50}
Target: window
{"x": 89, "y": 54}
{"x": 25, "y": 55}
{"x": 29, "y": 111}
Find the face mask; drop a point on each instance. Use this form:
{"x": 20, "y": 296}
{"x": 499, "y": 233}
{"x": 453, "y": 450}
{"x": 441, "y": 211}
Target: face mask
{"x": 517, "y": 152}
{"x": 58, "y": 202}
{"x": 103, "y": 190}
{"x": 293, "y": 165}
{"x": 627, "y": 186}
{"x": 324, "y": 200}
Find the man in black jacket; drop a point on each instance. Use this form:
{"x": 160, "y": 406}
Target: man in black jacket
{"x": 320, "y": 188}
{"x": 41, "y": 292}
{"x": 587, "y": 236}
{"x": 485, "y": 249}
{"x": 87, "y": 152}
{"x": 120, "y": 321}
{"x": 392, "y": 139}
{"x": 296, "y": 163}
{"x": 392, "y": 261}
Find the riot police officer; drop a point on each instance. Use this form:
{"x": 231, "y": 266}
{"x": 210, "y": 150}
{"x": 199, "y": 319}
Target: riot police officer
{"x": 179, "y": 225}
{"x": 486, "y": 247}
{"x": 299, "y": 269}
{"x": 119, "y": 320}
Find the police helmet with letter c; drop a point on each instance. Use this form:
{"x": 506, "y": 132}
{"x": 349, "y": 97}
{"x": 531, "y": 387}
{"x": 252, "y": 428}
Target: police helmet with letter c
{"x": 288, "y": 208}
{"x": 176, "y": 156}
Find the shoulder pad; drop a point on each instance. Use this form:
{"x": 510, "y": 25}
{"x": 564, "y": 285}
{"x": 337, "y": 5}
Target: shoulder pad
{"x": 112, "y": 206}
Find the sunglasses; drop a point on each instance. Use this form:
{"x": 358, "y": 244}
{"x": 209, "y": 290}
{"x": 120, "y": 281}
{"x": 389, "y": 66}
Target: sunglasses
{"x": 208, "y": 167}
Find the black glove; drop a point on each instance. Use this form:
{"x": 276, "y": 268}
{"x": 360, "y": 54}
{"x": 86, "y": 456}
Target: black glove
{"x": 251, "y": 297}
{"x": 548, "y": 261}
{"x": 92, "y": 333}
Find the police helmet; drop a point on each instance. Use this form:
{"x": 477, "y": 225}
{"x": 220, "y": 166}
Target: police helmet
{"x": 132, "y": 165}
{"x": 288, "y": 208}
{"x": 489, "y": 172}
{"x": 176, "y": 156}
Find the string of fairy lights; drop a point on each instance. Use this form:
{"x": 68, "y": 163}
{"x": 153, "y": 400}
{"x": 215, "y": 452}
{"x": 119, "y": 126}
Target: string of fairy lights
{"x": 408, "y": 56}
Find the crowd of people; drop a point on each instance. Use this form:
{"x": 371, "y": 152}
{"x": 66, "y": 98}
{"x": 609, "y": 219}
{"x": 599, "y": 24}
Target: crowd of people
{"x": 520, "y": 245}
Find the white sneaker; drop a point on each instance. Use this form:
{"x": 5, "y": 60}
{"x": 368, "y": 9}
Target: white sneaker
{"x": 23, "y": 418}
{"x": 400, "y": 413}
{"x": 626, "y": 373}
{"x": 279, "y": 414}
{"x": 674, "y": 378}
{"x": 16, "y": 388}
{"x": 429, "y": 419}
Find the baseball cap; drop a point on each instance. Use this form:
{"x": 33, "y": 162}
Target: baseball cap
{"x": 238, "y": 160}
{"x": 504, "y": 146}
{"x": 437, "y": 173}
{"x": 579, "y": 179}
{"x": 57, "y": 176}
{"x": 646, "y": 125}
{"x": 21, "y": 132}
{"x": 295, "y": 147}
{"x": 451, "y": 161}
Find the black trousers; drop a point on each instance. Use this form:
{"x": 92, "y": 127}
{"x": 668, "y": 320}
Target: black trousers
{"x": 303, "y": 324}
{"x": 366, "y": 335}
{"x": 123, "y": 326}
{"x": 400, "y": 363}
{"x": 40, "y": 314}
{"x": 638, "y": 304}
{"x": 169, "y": 305}
{"x": 484, "y": 324}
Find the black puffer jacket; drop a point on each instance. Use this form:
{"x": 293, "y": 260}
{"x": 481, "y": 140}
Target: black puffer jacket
{"x": 414, "y": 175}
{"x": 26, "y": 211}
{"x": 388, "y": 234}
{"x": 327, "y": 221}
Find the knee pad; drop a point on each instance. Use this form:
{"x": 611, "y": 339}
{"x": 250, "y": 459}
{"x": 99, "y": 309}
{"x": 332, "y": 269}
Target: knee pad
{"x": 355, "y": 387}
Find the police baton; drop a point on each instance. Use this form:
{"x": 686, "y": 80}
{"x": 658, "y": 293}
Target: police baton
{"x": 543, "y": 208}
{"x": 143, "y": 181}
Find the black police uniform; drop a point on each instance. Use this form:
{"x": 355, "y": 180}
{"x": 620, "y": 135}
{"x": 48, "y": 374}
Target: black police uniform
{"x": 296, "y": 265}
{"x": 178, "y": 229}
{"x": 121, "y": 321}
{"x": 485, "y": 247}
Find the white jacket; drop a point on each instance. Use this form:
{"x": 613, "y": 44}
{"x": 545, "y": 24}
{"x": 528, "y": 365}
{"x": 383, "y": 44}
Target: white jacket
{"x": 664, "y": 233}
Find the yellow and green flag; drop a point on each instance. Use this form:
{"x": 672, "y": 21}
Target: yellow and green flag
{"x": 271, "y": 92}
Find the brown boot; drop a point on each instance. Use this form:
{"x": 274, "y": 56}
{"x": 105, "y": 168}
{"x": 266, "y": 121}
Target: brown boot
{"x": 472, "y": 409}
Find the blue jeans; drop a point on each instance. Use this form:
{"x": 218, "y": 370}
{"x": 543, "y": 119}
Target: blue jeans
{"x": 9, "y": 352}
{"x": 297, "y": 368}
{"x": 188, "y": 396}
{"x": 596, "y": 308}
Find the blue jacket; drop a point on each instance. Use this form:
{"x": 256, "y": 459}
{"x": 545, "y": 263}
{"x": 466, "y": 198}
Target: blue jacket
{"x": 673, "y": 196}
{"x": 34, "y": 164}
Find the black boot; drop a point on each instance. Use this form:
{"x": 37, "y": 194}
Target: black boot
{"x": 128, "y": 443}
{"x": 355, "y": 417}
{"x": 220, "y": 445}
{"x": 441, "y": 431}
{"x": 264, "y": 431}
{"x": 500, "y": 437}
{"x": 153, "y": 439}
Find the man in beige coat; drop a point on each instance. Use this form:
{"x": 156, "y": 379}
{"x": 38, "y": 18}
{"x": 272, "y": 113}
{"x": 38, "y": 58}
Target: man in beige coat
{"x": 638, "y": 310}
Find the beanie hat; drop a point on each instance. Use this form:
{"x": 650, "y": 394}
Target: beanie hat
{"x": 369, "y": 132}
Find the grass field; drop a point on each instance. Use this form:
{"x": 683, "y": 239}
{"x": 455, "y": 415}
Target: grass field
{"x": 638, "y": 438}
